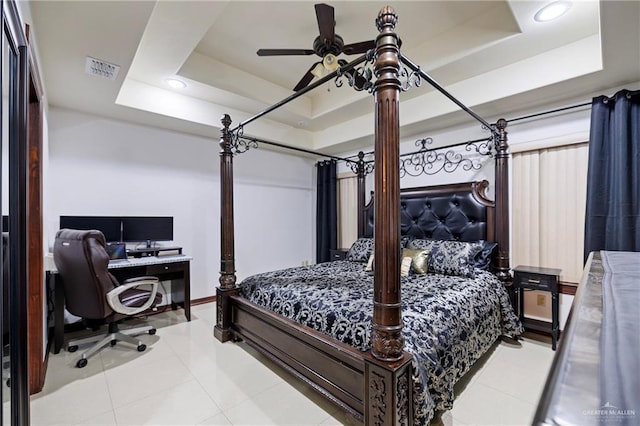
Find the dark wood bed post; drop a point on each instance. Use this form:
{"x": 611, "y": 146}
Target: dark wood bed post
{"x": 227, "y": 287}
{"x": 386, "y": 338}
{"x": 388, "y": 370}
{"x": 361, "y": 193}
{"x": 502, "y": 267}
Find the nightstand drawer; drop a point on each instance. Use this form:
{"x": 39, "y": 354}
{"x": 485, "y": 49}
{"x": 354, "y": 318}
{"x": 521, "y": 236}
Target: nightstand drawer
{"x": 535, "y": 281}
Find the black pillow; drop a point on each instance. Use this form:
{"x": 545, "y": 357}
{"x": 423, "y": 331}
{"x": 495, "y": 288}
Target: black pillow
{"x": 483, "y": 258}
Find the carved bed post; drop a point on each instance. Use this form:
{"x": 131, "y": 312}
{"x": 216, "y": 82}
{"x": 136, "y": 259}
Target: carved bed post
{"x": 386, "y": 338}
{"x": 361, "y": 194}
{"x": 227, "y": 287}
{"x": 388, "y": 370}
{"x": 502, "y": 202}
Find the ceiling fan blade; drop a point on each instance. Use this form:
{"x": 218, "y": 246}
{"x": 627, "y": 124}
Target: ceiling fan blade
{"x": 325, "y": 15}
{"x": 361, "y": 47}
{"x": 281, "y": 52}
{"x": 306, "y": 79}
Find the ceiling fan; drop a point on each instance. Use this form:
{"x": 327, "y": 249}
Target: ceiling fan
{"x": 328, "y": 45}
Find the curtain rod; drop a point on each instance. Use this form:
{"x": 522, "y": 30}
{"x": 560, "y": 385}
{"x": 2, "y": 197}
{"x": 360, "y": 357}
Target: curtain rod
{"x": 584, "y": 104}
{"x": 551, "y": 111}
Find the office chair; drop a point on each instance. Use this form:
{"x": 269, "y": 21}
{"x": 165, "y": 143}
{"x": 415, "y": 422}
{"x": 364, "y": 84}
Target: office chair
{"x": 92, "y": 293}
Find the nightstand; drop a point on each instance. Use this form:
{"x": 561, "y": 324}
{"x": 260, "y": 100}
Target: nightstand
{"x": 543, "y": 279}
{"x": 338, "y": 254}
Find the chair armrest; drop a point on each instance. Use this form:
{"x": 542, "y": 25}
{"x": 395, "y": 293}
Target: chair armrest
{"x": 113, "y": 297}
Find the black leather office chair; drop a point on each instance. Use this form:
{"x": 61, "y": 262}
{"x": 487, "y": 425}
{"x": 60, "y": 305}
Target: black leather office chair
{"x": 92, "y": 293}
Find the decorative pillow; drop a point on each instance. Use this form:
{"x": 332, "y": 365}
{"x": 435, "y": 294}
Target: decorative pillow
{"x": 369, "y": 266}
{"x": 360, "y": 250}
{"x": 404, "y": 240}
{"x": 405, "y": 266}
{"x": 483, "y": 258}
{"x": 454, "y": 258}
{"x": 418, "y": 259}
{"x": 419, "y": 244}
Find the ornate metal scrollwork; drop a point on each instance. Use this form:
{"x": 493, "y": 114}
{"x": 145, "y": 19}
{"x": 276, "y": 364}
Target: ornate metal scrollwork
{"x": 239, "y": 143}
{"x": 360, "y": 77}
{"x": 429, "y": 161}
{"x": 361, "y": 166}
{"x": 482, "y": 147}
{"x": 408, "y": 78}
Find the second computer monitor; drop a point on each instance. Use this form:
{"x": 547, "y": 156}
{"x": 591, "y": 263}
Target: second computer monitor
{"x": 147, "y": 229}
{"x": 110, "y": 226}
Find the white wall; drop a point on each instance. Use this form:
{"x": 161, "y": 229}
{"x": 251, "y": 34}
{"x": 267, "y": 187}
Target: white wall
{"x": 99, "y": 166}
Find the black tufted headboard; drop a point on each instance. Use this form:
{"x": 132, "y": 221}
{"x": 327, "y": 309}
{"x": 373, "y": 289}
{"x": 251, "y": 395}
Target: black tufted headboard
{"x": 446, "y": 212}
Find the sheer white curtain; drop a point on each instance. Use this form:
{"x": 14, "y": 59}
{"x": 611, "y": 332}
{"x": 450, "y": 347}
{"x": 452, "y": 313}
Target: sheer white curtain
{"x": 347, "y": 209}
{"x": 549, "y": 196}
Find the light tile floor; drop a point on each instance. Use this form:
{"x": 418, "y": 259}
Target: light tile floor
{"x": 187, "y": 377}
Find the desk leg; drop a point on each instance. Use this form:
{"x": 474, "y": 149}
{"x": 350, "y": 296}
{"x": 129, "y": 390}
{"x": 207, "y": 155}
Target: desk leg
{"x": 181, "y": 291}
{"x": 58, "y": 312}
{"x": 555, "y": 323}
{"x": 187, "y": 291}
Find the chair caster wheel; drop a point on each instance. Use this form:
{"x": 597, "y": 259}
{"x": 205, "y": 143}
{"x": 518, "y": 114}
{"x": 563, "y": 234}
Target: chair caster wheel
{"x": 113, "y": 342}
{"x": 142, "y": 347}
{"x": 72, "y": 348}
{"x": 152, "y": 331}
{"x": 81, "y": 363}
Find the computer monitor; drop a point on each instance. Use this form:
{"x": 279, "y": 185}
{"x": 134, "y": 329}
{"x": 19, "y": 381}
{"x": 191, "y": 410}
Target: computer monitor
{"x": 147, "y": 229}
{"x": 110, "y": 226}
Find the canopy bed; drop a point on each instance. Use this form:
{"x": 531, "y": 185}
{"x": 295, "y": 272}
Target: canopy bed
{"x": 345, "y": 330}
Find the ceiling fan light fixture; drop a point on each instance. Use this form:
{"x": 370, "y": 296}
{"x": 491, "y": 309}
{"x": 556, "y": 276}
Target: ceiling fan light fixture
{"x": 318, "y": 70}
{"x": 330, "y": 62}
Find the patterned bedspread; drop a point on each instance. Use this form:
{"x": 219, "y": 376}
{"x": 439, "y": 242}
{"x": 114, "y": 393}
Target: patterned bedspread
{"x": 449, "y": 321}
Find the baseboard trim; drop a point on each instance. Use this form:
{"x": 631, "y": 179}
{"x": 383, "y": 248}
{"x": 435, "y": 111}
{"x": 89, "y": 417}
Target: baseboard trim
{"x": 203, "y": 300}
{"x": 565, "y": 287}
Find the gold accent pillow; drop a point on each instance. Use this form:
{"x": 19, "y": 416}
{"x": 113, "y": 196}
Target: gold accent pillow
{"x": 405, "y": 266}
{"x": 419, "y": 259}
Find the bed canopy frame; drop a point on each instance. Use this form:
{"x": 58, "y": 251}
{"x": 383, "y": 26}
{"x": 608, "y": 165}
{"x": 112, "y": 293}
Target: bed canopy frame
{"x": 383, "y": 376}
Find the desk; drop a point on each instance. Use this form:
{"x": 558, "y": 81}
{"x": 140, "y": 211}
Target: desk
{"x": 163, "y": 267}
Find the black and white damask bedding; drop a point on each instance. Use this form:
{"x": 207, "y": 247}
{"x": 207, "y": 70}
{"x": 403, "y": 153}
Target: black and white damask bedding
{"x": 449, "y": 321}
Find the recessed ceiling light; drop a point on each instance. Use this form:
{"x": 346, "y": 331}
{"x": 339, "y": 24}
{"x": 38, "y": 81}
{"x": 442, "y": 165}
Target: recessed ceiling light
{"x": 175, "y": 83}
{"x": 552, "y": 11}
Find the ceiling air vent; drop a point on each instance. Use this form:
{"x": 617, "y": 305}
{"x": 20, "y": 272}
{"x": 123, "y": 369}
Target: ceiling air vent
{"x": 100, "y": 68}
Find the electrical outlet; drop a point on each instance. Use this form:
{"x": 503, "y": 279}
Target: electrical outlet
{"x": 542, "y": 300}
{"x": 305, "y": 263}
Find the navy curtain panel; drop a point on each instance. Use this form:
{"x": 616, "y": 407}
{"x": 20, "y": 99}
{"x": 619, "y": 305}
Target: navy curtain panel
{"x": 612, "y": 220}
{"x": 327, "y": 211}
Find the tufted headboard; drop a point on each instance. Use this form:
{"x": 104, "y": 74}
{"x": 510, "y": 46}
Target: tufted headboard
{"x": 459, "y": 211}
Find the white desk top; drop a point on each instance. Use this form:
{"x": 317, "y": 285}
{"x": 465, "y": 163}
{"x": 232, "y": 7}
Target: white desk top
{"x": 50, "y": 266}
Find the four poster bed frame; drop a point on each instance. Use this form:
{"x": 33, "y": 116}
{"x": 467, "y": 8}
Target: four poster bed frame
{"x": 374, "y": 387}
